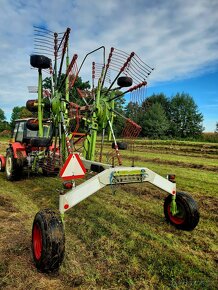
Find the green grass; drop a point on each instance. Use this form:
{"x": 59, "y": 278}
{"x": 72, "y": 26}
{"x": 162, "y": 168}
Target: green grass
{"x": 115, "y": 241}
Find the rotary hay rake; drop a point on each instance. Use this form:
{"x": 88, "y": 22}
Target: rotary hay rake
{"x": 54, "y": 142}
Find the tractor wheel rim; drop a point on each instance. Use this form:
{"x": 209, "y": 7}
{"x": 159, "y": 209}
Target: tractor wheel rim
{"x": 179, "y": 218}
{"x": 37, "y": 241}
{"x": 8, "y": 166}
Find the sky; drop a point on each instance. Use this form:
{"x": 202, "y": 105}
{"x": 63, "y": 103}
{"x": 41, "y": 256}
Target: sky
{"x": 178, "y": 38}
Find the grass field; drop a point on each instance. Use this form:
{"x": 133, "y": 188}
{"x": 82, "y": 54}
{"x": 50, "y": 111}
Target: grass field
{"x": 121, "y": 240}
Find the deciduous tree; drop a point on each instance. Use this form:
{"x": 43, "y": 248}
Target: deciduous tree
{"x": 2, "y": 115}
{"x": 185, "y": 119}
{"x": 154, "y": 122}
{"x": 19, "y": 113}
{"x": 216, "y": 130}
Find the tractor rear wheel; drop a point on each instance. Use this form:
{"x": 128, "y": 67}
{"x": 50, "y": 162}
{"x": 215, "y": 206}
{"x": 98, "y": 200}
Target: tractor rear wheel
{"x": 12, "y": 168}
{"x": 48, "y": 241}
{"x": 187, "y": 217}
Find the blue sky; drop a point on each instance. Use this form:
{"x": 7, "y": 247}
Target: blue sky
{"x": 178, "y": 38}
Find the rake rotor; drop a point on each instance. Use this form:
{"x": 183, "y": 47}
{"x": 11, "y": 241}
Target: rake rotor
{"x": 93, "y": 111}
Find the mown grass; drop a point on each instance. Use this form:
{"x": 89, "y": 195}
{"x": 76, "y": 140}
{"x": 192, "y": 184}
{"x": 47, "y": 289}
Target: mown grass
{"x": 166, "y": 157}
{"x": 114, "y": 241}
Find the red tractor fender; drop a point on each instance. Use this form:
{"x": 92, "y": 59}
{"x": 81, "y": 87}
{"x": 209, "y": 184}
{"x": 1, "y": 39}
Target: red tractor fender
{"x": 3, "y": 161}
{"x": 18, "y": 147}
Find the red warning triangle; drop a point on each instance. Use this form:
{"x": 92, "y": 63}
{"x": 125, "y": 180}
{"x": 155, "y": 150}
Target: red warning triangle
{"x": 73, "y": 168}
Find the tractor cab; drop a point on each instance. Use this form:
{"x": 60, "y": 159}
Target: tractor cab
{"x": 26, "y": 131}
{"x": 21, "y": 133}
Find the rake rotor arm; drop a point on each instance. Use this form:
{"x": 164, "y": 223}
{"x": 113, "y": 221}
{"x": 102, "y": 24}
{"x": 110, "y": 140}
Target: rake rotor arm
{"x": 107, "y": 65}
{"x": 55, "y": 56}
{"x": 65, "y": 39}
{"x": 68, "y": 70}
{"x": 128, "y": 91}
{"x": 38, "y": 40}
{"x": 121, "y": 70}
{"x": 112, "y": 176}
{"x": 119, "y": 114}
{"x": 101, "y": 47}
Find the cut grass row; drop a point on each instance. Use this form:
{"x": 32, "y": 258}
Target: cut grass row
{"x": 177, "y": 143}
{"x": 178, "y": 159}
{"x": 178, "y": 147}
{"x": 166, "y": 157}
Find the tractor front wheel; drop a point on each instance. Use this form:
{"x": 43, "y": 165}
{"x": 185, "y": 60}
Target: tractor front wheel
{"x": 2, "y": 164}
{"x": 187, "y": 216}
{"x": 12, "y": 168}
{"x": 48, "y": 241}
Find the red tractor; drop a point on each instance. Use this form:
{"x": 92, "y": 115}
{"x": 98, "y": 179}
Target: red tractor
{"x": 27, "y": 151}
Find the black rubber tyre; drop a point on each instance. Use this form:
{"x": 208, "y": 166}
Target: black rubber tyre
{"x": 124, "y": 81}
{"x": 32, "y": 124}
{"x": 2, "y": 168}
{"x": 40, "y": 142}
{"x": 188, "y": 215}
{"x": 12, "y": 168}
{"x": 40, "y": 61}
{"x": 30, "y": 106}
{"x": 121, "y": 145}
{"x": 48, "y": 241}
{"x": 34, "y": 108}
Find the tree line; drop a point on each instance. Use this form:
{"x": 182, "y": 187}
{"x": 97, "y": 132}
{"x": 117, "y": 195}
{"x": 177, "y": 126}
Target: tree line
{"x": 161, "y": 117}
{"x": 158, "y": 115}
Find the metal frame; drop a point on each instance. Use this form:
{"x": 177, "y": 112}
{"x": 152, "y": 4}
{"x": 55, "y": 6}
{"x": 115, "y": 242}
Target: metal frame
{"x": 112, "y": 176}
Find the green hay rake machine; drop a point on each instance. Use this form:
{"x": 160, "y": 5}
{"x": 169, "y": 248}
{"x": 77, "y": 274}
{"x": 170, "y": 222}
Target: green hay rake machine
{"x": 62, "y": 139}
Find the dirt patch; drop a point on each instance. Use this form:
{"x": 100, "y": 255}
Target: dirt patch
{"x": 7, "y": 204}
{"x": 209, "y": 204}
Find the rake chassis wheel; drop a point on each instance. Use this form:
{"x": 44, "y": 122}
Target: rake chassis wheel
{"x": 120, "y": 145}
{"x": 48, "y": 241}
{"x": 187, "y": 216}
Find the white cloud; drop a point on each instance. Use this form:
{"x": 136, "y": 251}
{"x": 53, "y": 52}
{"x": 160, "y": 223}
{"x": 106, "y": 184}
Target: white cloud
{"x": 179, "y": 38}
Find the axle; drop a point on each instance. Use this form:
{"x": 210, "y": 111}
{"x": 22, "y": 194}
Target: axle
{"x": 112, "y": 176}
